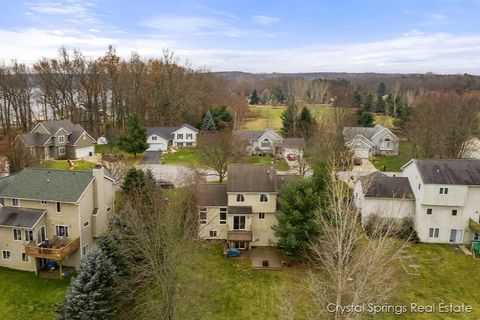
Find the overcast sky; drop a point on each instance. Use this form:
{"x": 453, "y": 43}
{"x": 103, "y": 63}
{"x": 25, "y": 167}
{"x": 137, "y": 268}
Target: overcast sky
{"x": 255, "y": 36}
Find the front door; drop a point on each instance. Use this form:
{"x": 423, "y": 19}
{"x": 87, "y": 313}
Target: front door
{"x": 41, "y": 236}
{"x": 239, "y": 223}
{"x": 456, "y": 235}
{"x": 47, "y": 153}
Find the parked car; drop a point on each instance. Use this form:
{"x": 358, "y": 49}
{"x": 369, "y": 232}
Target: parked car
{"x": 291, "y": 157}
{"x": 164, "y": 184}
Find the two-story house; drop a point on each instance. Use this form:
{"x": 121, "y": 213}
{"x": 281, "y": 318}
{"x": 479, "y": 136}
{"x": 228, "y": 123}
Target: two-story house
{"x": 269, "y": 142}
{"x": 58, "y": 140}
{"x": 53, "y": 215}
{"x": 242, "y": 211}
{"x": 162, "y": 138}
{"x": 365, "y": 141}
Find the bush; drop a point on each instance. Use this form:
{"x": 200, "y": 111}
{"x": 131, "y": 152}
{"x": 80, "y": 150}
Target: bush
{"x": 403, "y": 228}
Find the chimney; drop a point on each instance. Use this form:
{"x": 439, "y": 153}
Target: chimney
{"x": 99, "y": 197}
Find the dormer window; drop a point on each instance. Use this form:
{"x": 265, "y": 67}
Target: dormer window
{"x": 61, "y": 139}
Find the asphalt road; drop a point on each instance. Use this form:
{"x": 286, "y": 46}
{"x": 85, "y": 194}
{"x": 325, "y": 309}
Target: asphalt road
{"x": 151, "y": 157}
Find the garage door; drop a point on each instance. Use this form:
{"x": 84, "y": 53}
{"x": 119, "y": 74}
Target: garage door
{"x": 157, "y": 147}
{"x": 84, "y": 152}
{"x": 361, "y": 153}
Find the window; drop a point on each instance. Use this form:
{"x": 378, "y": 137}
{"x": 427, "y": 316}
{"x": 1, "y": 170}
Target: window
{"x": 433, "y": 232}
{"x": 265, "y": 143}
{"x": 240, "y": 198}
{"x": 25, "y": 258}
{"x": 419, "y": 186}
{"x": 203, "y": 216}
{"x": 6, "y": 255}
{"x": 239, "y": 223}
{"x": 61, "y": 231}
{"x": 387, "y": 143}
{"x": 223, "y": 215}
{"x": 86, "y": 223}
{"x": 180, "y": 136}
{"x": 263, "y": 197}
{"x": 179, "y": 144}
{"x": 61, "y": 139}
{"x": 213, "y": 233}
{"x": 61, "y": 151}
{"x": 443, "y": 190}
{"x": 454, "y": 212}
{"x": 429, "y": 211}
{"x": 15, "y": 202}
{"x": 261, "y": 215}
{"x": 17, "y": 234}
{"x": 58, "y": 206}
{"x": 44, "y": 202}
{"x": 85, "y": 249}
{"x": 154, "y": 138}
{"x": 189, "y": 144}
{"x": 28, "y": 235}
{"x": 476, "y": 236}
{"x": 189, "y": 136}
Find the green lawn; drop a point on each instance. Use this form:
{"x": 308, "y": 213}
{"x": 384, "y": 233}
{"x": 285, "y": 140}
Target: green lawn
{"x": 131, "y": 159}
{"x": 81, "y": 165}
{"x": 394, "y": 163}
{"x": 25, "y": 296}
{"x": 281, "y": 164}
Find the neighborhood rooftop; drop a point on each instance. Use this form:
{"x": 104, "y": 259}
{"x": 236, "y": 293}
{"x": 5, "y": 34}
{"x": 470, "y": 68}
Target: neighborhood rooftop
{"x": 251, "y": 178}
{"x": 20, "y": 217}
{"x": 166, "y": 132}
{"x": 212, "y": 195}
{"x": 379, "y": 185}
{"x": 39, "y": 139}
{"x": 48, "y": 185}
{"x": 458, "y": 171}
{"x": 367, "y": 132}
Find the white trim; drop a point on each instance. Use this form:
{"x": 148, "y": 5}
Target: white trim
{"x": 390, "y": 133}
{"x": 67, "y": 229}
{"x": 9, "y": 253}
{"x": 85, "y": 132}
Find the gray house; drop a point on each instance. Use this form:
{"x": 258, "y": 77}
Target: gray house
{"x": 269, "y": 142}
{"x": 366, "y": 141}
{"x": 59, "y": 139}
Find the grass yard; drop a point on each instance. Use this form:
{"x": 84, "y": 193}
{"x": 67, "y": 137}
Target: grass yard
{"x": 25, "y": 296}
{"x": 81, "y": 165}
{"x": 394, "y": 163}
{"x": 131, "y": 159}
{"x": 280, "y": 165}
{"x": 183, "y": 156}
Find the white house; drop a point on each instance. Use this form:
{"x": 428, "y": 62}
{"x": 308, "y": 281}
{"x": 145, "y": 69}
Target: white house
{"x": 379, "y": 194}
{"x": 269, "y": 142}
{"x": 366, "y": 141}
{"x": 446, "y": 197}
{"x": 162, "y": 138}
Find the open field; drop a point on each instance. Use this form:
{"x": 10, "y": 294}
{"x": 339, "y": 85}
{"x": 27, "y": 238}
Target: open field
{"x": 394, "y": 163}
{"x": 81, "y": 165}
{"x": 25, "y": 296}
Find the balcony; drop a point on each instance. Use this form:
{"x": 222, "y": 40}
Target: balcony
{"x": 56, "y": 249}
{"x": 474, "y": 226}
{"x": 239, "y": 235}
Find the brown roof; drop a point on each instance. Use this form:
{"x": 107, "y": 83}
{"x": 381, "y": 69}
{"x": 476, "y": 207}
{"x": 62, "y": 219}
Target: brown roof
{"x": 298, "y": 143}
{"x": 378, "y": 185}
{"x": 212, "y": 195}
{"x": 251, "y": 178}
{"x": 239, "y": 210}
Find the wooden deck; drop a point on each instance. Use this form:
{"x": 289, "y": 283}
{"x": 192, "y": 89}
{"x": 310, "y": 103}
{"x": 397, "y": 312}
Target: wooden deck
{"x": 56, "y": 252}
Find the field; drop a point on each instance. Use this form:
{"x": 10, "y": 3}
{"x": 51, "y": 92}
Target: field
{"x": 25, "y": 296}
{"x": 81, "y": 165}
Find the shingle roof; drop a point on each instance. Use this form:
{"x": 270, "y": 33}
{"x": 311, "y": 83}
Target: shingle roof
{"x": 294, "y": 143}
{"x": 445, "y": 171}
{"x": 188, "y": 126}
{"x": 251, "y": 178}
{"x": 35, "y": 139}
{"x": 48, "y": 184}
{"x": 212, "y": 195}
{"x": 75, "y": 131}
{"x": 367, "y": 132}
{"x": 166, "y": 132}
{"x": 378, "y": 185}
{"x": 20, "y": 217}
{"x": 239, "y": 210}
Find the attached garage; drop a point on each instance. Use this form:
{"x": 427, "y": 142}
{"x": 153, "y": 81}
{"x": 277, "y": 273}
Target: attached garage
{"x": 84, "y": 152}
{"x": 158, "y": 146}
{"x": 361, "y": 153}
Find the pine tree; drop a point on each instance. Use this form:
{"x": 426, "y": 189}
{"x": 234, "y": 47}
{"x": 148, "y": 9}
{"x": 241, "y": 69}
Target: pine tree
{"x": 254, "y": 98}
{"x": 357, "y": 99}
{"x": 138, "y": 182}
{"x": 135, "y": 140}
{"x": 306, "y": 123}
{"x": 222, "y": 117}
{"x": 90, "y": 294}
{"x": 208, "y": 124}
{"x": 365, "y": 118}
{"x": 369, "y": 103}
{"x": 109, "y": 245}
{"x": 289, "y": 120}
{"x": 382, "y": 89}
{"x": 380, "y": 105}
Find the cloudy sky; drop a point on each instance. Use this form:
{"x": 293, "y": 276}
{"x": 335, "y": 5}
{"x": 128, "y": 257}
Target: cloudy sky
{"x": 255, "y": 36}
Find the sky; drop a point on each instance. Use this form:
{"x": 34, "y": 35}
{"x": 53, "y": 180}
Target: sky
{"x": 389, "y": 36}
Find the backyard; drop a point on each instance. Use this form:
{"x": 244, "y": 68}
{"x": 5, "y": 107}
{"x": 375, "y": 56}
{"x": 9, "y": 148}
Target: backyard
{"x": 80, "y": 165}
{"x": 394, "y": 163}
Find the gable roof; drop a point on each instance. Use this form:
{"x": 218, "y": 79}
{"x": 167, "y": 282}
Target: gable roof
{"x": 212, "y": 195}
{"x": 251, "y": 178}
{"x": 367, "y": 132}
{"x": 298, "y": 143}
{"x": 74, "y": 131}
{"x": 359, "y": 139}
{"x": 379, "y": 185}
{"x": 166, "y": 132}
{"x": 448, "y": 171}
{"x": 35, "y": 138}
{"x": 186, "y": 125}
{"x": 20, "y": 217}
{"x": 47, "y": 184}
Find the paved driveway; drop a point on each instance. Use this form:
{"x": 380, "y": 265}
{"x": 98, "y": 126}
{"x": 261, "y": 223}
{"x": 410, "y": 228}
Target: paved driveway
{"x": 151, "y": 157}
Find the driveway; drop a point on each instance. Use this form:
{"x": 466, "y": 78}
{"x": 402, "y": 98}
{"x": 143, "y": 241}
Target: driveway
{"x": 178, "y": 175}
{"x": 151, "y": 157}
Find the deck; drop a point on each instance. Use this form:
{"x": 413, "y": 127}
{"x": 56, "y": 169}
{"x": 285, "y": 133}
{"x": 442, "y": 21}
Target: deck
{"x": 57, "y": 251}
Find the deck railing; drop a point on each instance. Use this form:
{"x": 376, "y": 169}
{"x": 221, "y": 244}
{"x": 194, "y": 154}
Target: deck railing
{"x": 473, "y": 225}
{"x": 53, "y": 253}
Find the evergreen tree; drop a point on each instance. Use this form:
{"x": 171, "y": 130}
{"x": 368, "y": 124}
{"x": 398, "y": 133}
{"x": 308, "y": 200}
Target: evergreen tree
{"x": 297, "y": 217}
{"x": 380, "y": 105}
{"x": 382, "y": 89}
{"x": 365, "y": 118}
{"x": 289, "y": 120}
{"x": 90, "y": 294}
{"x": 135, "y": 139}
{"x": 109, "y": 244}
{"x": 222, "y": 117}
{"x": 369, "y": 103}
{"x": 306, "y": 123}
{"x": 254, "y": 98}
{"x": 208, "y": 123}
{"x": 357, "y": 99}
{"x": 138, "y": 182}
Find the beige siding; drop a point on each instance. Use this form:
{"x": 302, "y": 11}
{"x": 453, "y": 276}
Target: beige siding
{"x": 253, "y": 200}
{"x": 213, "y": 223}
{"x": 16, "y": 247}
{"x": 262, "y": 233}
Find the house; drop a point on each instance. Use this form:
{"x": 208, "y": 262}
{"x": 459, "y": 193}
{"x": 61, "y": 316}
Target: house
{"x": 242, "y": 211}
{"x": 366, "y": 141}
{"x": 269, "y": 142}
{"x": 163, "y": 138}
{"x": 59, "y": 139}
{"x": 446, "y": 197}
{"x": 379, "y": 194}
{"x": 53, "y": 215}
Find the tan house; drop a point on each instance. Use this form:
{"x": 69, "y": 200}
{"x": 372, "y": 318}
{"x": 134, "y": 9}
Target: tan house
{"x": 58, "y": 140}
{"x": 242, "y": 211}
{"x": 52, "y": 215}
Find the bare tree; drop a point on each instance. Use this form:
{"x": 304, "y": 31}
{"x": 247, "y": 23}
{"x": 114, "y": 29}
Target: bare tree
{"x": 18, "y": 155}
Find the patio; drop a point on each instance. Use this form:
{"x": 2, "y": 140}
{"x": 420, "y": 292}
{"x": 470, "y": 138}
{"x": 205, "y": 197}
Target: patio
{"x": 266, "y": 258}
